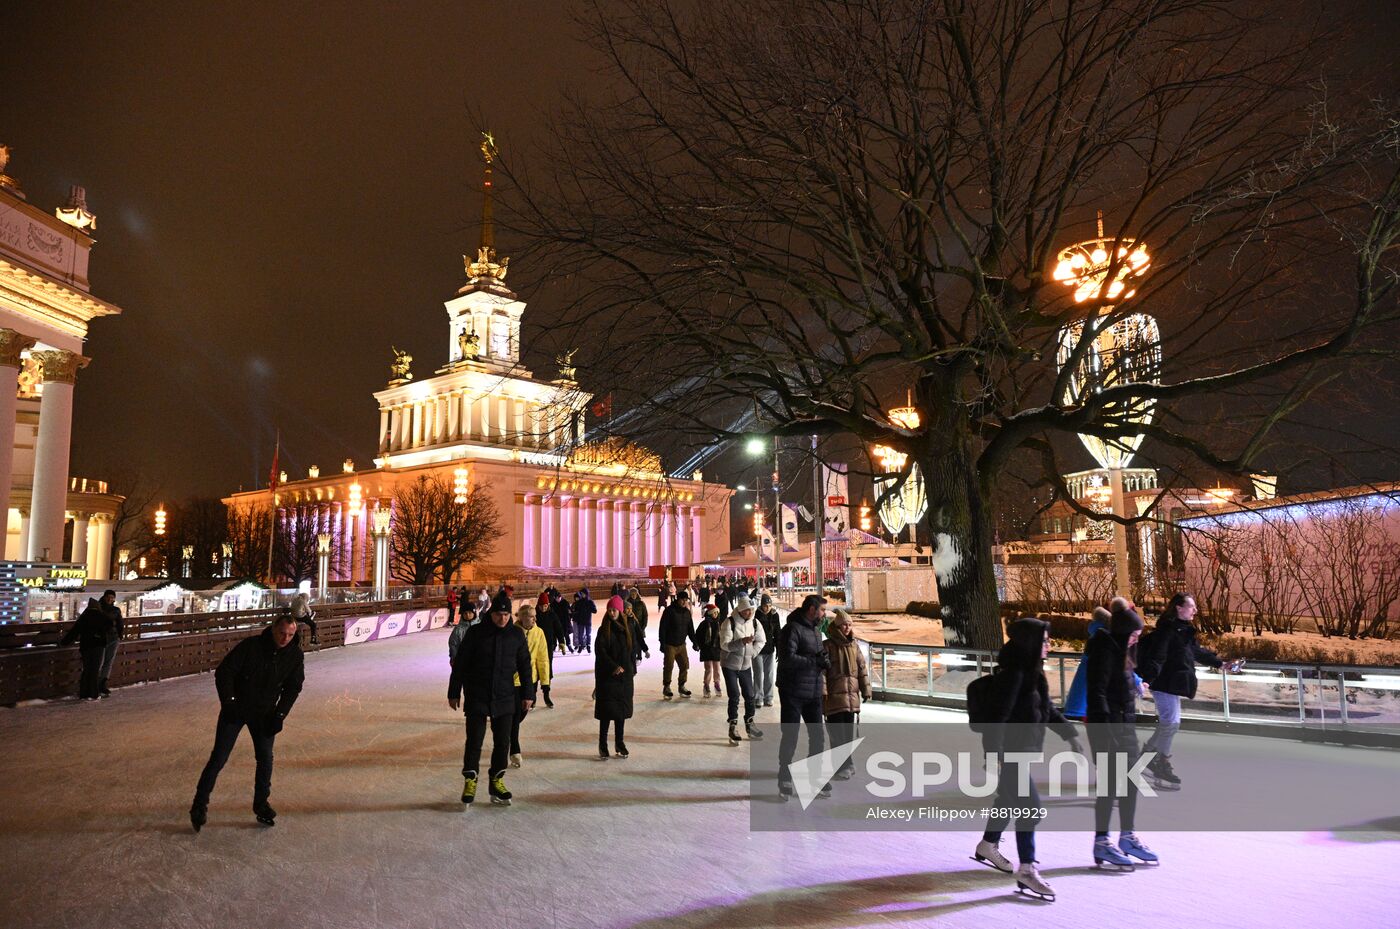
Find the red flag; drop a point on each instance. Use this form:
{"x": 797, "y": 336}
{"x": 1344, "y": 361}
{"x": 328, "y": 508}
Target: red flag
{"x": 603, "y": 408}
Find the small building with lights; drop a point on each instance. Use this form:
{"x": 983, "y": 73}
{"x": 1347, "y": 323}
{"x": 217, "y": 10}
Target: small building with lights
{"x": 46, "y": 305}
{"x": 568, "y": 507}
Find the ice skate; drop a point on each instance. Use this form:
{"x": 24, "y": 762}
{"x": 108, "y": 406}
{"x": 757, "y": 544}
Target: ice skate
{"x": 683, "y": 692}
{"x": 1162, "y": 775}
{"x": 499, "y": 794}
{"x": 1107, "y": 857}
{"x": 603, "y": 751}
{"x": 199, "y": 815}
{"x": 734, "y": 738}
{"x": 707, "y": 688}
{"x": 469, "y": 788}
{"x": 265, "y": 813}
{"x": 666, "y": 694}
{"x": 621, "y": 750}
{"x": 989, "y": 854}
{"x": 754, "y": 733}
{"x": 1128, "y": 843}
{"x": 786, "y": 791}
{"x": 1030, "y": 883}
{"x": 515, "y": 760}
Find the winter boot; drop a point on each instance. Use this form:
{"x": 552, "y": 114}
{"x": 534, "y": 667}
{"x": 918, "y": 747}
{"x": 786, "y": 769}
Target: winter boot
{"x": 265, "y": 813}
{"x": 499, "y": 794}
{"x": 1108, "y": 857}
{"x": 989, "y": 854}
{"x": 734, "y": 732}
{"x": 1029, "y": 882}
{"x": 469, "y": 787}
{"x": 1128, "y": 843}
{"x": 199, "y": 815}
{"x": 753, "y": 731}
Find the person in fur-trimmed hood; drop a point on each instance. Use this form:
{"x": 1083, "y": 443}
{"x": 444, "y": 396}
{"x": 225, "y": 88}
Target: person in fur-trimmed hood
{"x": 847, "y": 684}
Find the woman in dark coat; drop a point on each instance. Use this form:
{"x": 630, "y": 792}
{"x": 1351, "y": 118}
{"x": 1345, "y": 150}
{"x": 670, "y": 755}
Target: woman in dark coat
{"x": 614, "y": 667}
{"x": 554, "y": 636}
{"x": 707, "y": 642}
{"x": 1111, "y": 710}
{"x": 1023, "y": 700}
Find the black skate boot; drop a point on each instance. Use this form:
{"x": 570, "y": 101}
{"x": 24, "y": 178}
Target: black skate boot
{"x": 1163, "y": 777}
{"x": 199, "y": 815}
{"x": 102, "y": 690}
{"x": 499, "y": 794}
{"x": 734, "y": 738}
{"x": 666, "y": 693}
{"x": 621, "y": 749}
{"x": 265, "y": 813}
{"x": 603, "y": 749}
{"x": 682, "y": 691}
{"x": 754, "y": 733}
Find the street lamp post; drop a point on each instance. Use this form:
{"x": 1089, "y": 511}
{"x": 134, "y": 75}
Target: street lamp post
{"x": 379, "y": 528}
{"x": 1106, "y": 270}
{"x": 323, "y": 564}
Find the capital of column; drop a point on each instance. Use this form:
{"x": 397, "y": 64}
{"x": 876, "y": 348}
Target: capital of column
{"x": 12, "y": 345}
{"x": 59, "y": 365}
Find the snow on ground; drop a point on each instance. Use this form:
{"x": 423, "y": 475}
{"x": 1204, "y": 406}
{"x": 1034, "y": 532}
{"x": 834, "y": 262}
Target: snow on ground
{"x": 370, "y": 832}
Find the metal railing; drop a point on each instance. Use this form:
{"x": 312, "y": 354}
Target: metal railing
{"x": 1303, "y": 696}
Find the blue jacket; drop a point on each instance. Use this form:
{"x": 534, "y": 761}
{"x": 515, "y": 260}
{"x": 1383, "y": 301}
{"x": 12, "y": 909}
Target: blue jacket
{"x": 1076, "y": 701}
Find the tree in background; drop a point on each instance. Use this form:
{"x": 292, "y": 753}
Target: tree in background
{"x": 433, "y": 536}
{"x": 294, "y": 557}
{"x": 809, "y": 207}
{"x": 248, "y": 537}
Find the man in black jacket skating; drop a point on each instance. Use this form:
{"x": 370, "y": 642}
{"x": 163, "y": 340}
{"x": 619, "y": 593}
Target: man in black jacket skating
{"x": 258, "y": 681}
{"x": 483, "y": 684}
{"x": 97, "y": 632}
{"x": 675, "y": 631}
{"x": 802, "y": 664}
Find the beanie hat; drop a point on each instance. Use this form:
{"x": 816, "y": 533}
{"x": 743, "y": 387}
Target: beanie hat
{"x": 1124, "y": 623}
{"x": 615, "y": 603}
{"x": 501, "y": 603}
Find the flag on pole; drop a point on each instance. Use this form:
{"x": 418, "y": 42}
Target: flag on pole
{"x": 602, "y": 409}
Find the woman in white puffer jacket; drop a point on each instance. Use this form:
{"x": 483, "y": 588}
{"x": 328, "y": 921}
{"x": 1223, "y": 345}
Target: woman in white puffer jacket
{"x": 740, "y": 640}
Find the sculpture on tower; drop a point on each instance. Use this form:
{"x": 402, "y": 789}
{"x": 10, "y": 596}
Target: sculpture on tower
{"x": 485, "y": 265}
{"x": 567, "y": 371}
{"x": 469, "y": 343}
{"x": 399, "y": 367}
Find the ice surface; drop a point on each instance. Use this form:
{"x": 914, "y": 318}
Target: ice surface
{"x": 370, "y": 832}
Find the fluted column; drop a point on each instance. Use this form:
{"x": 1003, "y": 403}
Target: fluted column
{"x": 12, "y": 345}
{"x": 697, "y": 542}
{"x": 588, "y": 534}
{"x": 100, "y": 558}
{"x": 681, "y": 532}
{"x": 635, "y": 542}
{"x": 25, "y": 525}
{"x": 60, "y": 371}
{"x": 555, "y": 509}
{"x": 81, "y": 521}
{"x": 603, "y": 533}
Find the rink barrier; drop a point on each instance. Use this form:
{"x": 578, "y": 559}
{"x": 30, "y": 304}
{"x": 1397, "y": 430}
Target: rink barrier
{"x": 34, "y": 667}
{"x": 1349, "y": 704}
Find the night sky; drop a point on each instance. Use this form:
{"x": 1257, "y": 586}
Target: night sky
{"x": 284, "y": 190}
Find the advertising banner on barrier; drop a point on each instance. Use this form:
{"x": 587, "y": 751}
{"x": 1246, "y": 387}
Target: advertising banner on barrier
{"x": 388, "y": 625}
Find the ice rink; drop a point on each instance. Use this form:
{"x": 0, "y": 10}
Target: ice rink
{"x": 370, "y": 831}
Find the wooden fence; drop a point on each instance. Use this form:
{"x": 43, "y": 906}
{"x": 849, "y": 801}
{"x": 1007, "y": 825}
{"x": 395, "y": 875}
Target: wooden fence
{"x": 33, "y": 666}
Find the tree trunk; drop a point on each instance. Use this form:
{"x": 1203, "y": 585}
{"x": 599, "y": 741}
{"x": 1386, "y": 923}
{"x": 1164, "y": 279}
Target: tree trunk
{"x": 960, "y": 525}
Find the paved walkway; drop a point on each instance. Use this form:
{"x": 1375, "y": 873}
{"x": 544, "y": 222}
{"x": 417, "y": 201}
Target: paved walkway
{"x": 371, "y": 833}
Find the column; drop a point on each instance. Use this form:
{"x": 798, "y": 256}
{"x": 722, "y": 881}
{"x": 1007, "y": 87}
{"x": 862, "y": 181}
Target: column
{"x": 697, "y": 547}
{"x": 60, "y": 371}
{"x": 618, "y": 518}
{"x": 502, "y": 415}
{"x": 25, "y": 524}
{"x": 440, "y": 429}
{"x": 81, "y": 521}
{"x": 530, "y": 543}
{"x": 521, "y": 432}
{"x": 680, "y": 532}
{"x": 101, "y": 568}
{"x": 12, "y": 344}
{"x": 602, "y": 530}
{"x": 587, "y": 522}
{"x": 571, "y": 546}
{"x": 383, "y": 430}
{"x": 652, "y": 518}
{"x": 554, "y": 507}
{"x": 634, "y": 535}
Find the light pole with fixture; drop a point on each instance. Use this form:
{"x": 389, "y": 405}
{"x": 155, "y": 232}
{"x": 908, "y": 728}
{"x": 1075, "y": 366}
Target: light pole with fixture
{"x": 1105, "y": 271}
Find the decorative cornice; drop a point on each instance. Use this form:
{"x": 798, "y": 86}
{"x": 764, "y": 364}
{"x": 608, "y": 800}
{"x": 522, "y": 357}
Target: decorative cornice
{"x": 51, "y": 302}
{"x": 12, "y": 345}
{"x": 59, "y": 365}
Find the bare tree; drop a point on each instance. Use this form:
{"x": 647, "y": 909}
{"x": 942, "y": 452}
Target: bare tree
{"x": 432, "y": 535}
{"x": 1351, "y": 574}
{"x": 131, "y": 528}
{"x": 248, "y": 537}
{"x": 808, "y": 207}
{"x": 294, "y": 552}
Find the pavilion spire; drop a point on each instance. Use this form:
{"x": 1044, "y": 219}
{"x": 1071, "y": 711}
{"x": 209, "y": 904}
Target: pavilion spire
{"x": 485, "y": 265}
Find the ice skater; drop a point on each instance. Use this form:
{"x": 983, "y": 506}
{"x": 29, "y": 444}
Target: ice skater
{"x": 676, "y": 631}
{"x": 538, "y": 644}
{"x": 764, "y": 662}
{"x": 554, "y": 637}
{"x": 802, "y": 664}
{"x": 98, "y": 632}
{"x": 459, "y": 631}
{"x": 707, "y": 644}
{"x": 847, "y": 684}
{"x": 302, "y": 613}
{"x": 1167, "y": 659}
{"x": 614, "y": 667}
{"x": 582, "y": 613}
{"x": 258, "y": 681}
{"x": 1111, "y": 713}
{"x": 1022, "y": 700}
{"x": 740, "y": 640}
{"x": 490, "y": 658}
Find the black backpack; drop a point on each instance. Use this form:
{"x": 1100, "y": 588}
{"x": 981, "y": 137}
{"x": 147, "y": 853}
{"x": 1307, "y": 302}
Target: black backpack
{"x": 981, "y": 702}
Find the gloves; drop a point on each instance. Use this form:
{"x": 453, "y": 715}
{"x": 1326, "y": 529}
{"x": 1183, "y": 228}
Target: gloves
{"x": 273, "y": 724}
{"x": 824, "y": 660}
